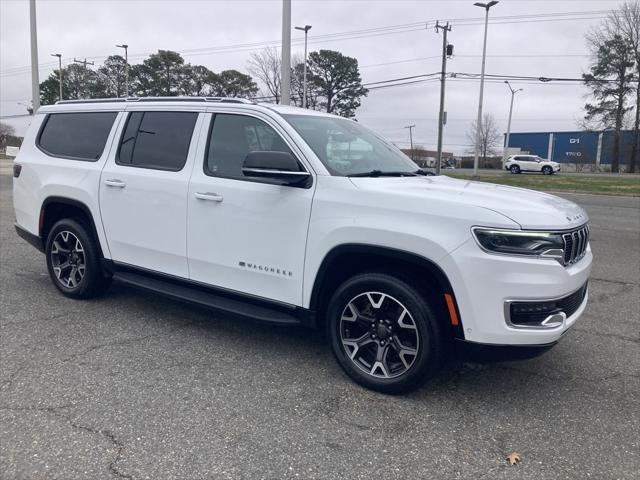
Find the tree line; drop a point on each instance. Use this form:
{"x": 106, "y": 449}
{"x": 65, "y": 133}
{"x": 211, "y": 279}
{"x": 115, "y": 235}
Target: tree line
{"x": 333, "y": 80}
{"x": 613, "y": 79}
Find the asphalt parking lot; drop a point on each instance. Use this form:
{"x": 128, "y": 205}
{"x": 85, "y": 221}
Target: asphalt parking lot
{"x": 135, "y": 386}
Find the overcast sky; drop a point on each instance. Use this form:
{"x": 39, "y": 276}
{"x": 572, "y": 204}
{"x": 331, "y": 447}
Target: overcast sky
{"x": 551, "y": 47}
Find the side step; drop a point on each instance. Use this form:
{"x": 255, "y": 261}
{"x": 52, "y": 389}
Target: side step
{"x": 206, "y": 298}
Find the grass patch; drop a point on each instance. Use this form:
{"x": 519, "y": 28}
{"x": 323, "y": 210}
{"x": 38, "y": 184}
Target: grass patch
{"x": 610, "y": 185}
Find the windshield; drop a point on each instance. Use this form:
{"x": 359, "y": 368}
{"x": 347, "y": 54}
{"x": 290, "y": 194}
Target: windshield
{"x": 347, "y": 148}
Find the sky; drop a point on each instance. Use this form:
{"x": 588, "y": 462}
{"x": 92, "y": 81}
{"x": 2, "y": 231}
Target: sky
{"x": 390, "y": 38}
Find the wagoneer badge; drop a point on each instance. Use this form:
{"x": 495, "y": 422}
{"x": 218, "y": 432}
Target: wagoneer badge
{"x": 266, "y": 269}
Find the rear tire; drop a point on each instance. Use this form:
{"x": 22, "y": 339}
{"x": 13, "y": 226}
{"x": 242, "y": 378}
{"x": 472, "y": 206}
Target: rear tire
{"x": 514, "y": 169}
{"x": 73, "y": 260}
{"x": 383, "y": 333}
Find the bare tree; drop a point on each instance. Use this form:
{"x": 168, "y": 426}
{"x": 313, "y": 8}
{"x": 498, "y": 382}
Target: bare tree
{"x": 625, "y": 23}
{"x": 6, "y": 131}
{"x": 265, "y": 66}
{"x": 490, "y": 137}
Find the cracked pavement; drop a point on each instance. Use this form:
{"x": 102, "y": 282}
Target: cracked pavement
{"x": 135, "y": 386}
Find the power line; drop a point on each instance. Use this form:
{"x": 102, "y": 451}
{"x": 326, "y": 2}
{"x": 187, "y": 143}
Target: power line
{"x": 362, "y": 33}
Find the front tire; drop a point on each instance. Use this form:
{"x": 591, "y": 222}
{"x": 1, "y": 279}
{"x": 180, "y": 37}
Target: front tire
{"x": 514, "y": 169}
{"x": 73, "y": 260}
{"x": 383, "y": 333}
{"x": 546, "y": 170}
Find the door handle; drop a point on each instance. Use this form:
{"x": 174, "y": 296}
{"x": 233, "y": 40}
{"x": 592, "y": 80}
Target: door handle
{"x": 212, "y": 197}
{"x": 115, "y": 183}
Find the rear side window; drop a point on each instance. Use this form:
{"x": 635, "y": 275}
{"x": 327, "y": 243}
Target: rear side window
{"x": 77, "y": 136}
{"x": 158, "y": 140}
{"x": 232, "y": 138}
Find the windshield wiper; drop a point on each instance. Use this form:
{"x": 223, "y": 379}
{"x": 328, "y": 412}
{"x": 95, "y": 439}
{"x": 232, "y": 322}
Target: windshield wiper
{"x": 426, "y": 173}
{"x": 380, "y": 173}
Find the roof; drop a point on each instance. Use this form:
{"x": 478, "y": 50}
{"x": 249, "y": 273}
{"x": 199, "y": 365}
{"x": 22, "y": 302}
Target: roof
{"x": 97, "y": 104}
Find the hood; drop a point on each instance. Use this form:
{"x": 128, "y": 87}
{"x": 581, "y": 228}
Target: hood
{"x": 528, "y": 208}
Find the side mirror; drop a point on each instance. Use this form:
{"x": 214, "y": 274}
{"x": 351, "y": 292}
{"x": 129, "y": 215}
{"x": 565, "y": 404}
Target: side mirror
{"x": 280, "y": 167}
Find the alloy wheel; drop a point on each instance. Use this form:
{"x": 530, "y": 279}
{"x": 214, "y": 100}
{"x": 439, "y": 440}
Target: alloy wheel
{"x": 379, "y": 335}
{"x": 68, "y": 259}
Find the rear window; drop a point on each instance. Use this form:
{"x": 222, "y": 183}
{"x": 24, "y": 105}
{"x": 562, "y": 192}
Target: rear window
{"x": 158, "y": 140}
{"x": 76, "y": 136}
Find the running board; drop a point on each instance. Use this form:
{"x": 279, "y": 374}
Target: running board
{"x": 209, "y": 299}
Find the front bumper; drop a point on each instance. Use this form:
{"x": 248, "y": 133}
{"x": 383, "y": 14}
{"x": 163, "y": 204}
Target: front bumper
{"x": 484, "y": 283}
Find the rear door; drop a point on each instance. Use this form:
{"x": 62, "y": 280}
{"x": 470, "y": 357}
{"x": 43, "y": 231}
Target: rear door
{"x": 245, "y": 234}
{"x": 143, "y": 189}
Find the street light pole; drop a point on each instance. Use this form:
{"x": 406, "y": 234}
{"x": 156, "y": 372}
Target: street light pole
{"x": 506, "y": 144}
{"x": 126, "y": 68}
{"x": 59, "y": 70}
{"x": 486, "y": 7}
{"x": 35, "y": 81}
{"x": 306, "y": 29}
{"x": 285, "y": 72}
{"x": 411, "y": 127}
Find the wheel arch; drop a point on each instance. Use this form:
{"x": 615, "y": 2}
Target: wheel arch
{"x": 55, "y": 208}
{"x": 344, "y": 261}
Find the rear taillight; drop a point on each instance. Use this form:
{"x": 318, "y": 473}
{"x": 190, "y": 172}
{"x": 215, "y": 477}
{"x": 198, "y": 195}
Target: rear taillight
{"x": 17, "y": 168}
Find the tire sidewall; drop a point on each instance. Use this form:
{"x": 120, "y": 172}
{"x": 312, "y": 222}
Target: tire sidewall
{"x": 93, "y": 272}
{"x": 547, "y": 170}
{"x": 514, "y": 169}
{"x": 429, "y": 351}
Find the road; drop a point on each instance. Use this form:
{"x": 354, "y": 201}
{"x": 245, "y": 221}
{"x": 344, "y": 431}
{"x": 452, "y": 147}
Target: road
{"x": 136, "y": 386}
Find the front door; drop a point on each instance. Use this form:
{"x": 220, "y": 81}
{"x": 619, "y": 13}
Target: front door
{"x": 143, "y": 190}
{"x": 245, "y": 234}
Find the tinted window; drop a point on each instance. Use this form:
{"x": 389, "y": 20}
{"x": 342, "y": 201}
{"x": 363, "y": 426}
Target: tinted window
{"x": 232, "y": 138}
{"x": 80, "y": 136}
{"x": 157, "y": 140}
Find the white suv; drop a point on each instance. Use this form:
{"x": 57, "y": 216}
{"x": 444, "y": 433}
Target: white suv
{"x": 292, "y": 216}
{"x": 530, "y": 163}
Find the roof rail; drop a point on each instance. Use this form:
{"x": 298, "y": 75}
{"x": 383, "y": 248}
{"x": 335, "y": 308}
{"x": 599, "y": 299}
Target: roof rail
{"x": 157, "y": 99}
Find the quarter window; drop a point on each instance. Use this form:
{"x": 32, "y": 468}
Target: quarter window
{"x": 158, "y": 140}
{"x": 232, "y": 137}
{"x": 77, "y": 135}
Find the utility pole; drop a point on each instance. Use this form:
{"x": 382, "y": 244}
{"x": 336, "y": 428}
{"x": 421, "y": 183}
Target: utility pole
{"x": 35, "y": 81}
{"x": 59, "y": 55}
{"x": 126, "y": 68}
{"x": 85, "y": 63}
{"x": 306, "y": 29}
{"x": 285, "y": 72}
{"x": 411, "y": 127}
{"x": 486, "y": 7}
{"x": 441, "y": 116}
{"x": 506, "y": 144}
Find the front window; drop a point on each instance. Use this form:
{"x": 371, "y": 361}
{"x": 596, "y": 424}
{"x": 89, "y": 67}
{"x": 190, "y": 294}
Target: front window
{"x": 346, "y": 148}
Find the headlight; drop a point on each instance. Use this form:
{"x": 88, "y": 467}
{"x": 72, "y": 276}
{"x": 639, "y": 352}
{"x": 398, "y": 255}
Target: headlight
{"x": 519, "y": 242}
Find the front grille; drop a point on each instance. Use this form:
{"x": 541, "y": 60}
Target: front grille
{"x": 532, "y": 314}
{"x": 575, "y": 244}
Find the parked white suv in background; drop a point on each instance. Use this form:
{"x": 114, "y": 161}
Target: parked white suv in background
{"x": 292, "y": 216}
{"x": 530, "y": 163}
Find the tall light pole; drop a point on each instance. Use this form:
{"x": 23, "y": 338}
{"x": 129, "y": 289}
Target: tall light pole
{"x": 306, "y": 29}
{"x": 285, "y": 72}
{"x": 513, "y": 93}
{"x": 59, "y": 55}
{"x": 126, "y": 68}
{"x": 486, "y": 7}
{"x": 35, "y": 81}
{"x": 411, "y": 127}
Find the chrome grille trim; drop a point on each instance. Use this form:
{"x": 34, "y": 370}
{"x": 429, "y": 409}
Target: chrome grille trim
{"x": 575, "y": 244}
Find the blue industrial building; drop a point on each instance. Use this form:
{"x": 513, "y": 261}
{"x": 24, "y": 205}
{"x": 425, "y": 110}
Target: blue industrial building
{"x": 579, "y": 147}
